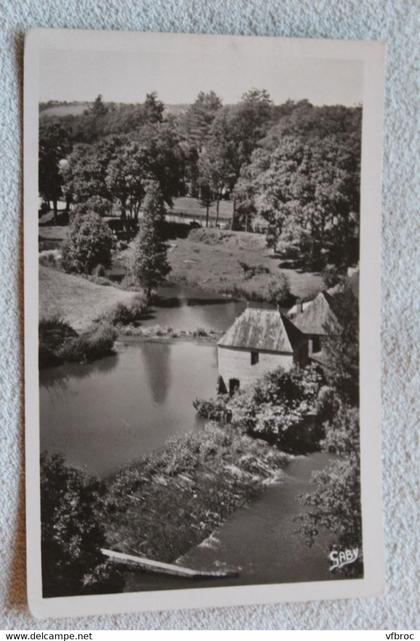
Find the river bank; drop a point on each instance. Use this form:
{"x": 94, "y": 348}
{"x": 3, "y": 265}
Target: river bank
{"x": 172, "y": 500}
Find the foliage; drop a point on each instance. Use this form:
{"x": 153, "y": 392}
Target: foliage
{"x": 98, "y": 204}
{"x": 150, "y": 265}
{"x": 54, "y": 145}
{"x": 53, "y": 333}
{"x": 342, "y": 348}
{"x": 279, "y": 289}
{"x": 214, "y": 409}
{"x": 59, "y": 342}
{"x": 127, "y": 313}
{"x": 198, "y": 479}
{"x": 334, "y": 505}
{"x": 88, "y": 244}
{"x": 332, "y": 275}
{"x": 276, "y": 408}
{"x": 304, "y": 180}
{"x": 72, "y": 531}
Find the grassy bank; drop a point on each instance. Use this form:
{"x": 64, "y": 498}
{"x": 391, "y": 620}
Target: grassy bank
{"x": 211, "y": 259}
{"x": 76, "y": 300}
{"x": 162, "y": 333}
{"x": 174, "y": 498}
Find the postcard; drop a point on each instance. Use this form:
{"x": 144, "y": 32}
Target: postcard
{"x": 202, "y": 330}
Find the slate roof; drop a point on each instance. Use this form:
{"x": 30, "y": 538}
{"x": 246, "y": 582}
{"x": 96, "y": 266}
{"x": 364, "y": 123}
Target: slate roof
{"x": 262, "y": 329}
{"x": 318, "y": 317}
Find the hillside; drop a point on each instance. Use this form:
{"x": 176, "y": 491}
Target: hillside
{"x": 210, "y": 259}
{"x": 74, "y": 299}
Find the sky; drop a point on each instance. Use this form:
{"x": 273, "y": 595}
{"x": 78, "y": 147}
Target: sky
{"x": 177, "y": 74}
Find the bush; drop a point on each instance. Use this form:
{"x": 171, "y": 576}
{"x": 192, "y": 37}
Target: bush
{"x": 53, "y": 334}
{"x": 96, "y": 204}
{"x": 94, "y": 343}
{"x": 214, "y": 409}
{"x": 58, "y": 342}
{"x": 98, "y": 341}
{"x": 280, "y": 408}
{"x": 125, "y": 314}
{"x": 88, "y": 244}
{"x": 50, "y": 258}
{"x": 332, "y": 275}
{"x": 250, "y": 271}
{"x": 72, "y": 532}
{"x": 278, "y": 289}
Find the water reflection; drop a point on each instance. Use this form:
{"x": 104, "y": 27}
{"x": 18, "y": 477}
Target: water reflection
{"x": 157, "y": 368}
{"x": 106, "y": 414}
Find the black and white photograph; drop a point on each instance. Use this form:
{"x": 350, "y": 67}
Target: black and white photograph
{"x": 195, "y": 254}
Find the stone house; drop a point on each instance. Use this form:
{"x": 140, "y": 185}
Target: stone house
{"x": 258, "y": 342}
{"x": 316, "y": 320}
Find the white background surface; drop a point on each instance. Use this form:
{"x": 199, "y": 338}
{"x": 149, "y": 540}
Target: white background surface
{"x": 396, "y": 22}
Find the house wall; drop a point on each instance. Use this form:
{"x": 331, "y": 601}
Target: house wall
{"x": 236, "y": 363}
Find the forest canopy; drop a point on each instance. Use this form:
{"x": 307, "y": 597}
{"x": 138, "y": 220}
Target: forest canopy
{"x": 291, "y": 171}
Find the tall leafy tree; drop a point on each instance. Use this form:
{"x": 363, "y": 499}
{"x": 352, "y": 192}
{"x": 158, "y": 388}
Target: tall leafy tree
{"x": 54, "y": 145}
{"x": 72, "y": 533}
{"x": 153, "y": 108}
{"x": 195, "y": 127}
{"x": 150, "y": 262}
{"x": 334, "y": 504}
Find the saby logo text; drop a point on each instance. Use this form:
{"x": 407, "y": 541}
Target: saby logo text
{"x": 339, "y": 558}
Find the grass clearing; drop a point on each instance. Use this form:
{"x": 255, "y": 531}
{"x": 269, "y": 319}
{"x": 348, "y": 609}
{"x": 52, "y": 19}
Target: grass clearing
{"x": 210, "y": 259}
{"x": 76, "y": 300}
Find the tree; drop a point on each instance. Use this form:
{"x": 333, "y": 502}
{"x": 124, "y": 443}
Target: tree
{"x": 98, "y": 107}
{"x": 211, "y": 172}
{"x": 334, "y": 505}
{"x": 307, "y": 190}
{"x": 54, "y": 145}
{"x": 125, "y": 178}
{"x": 153, "y": 108}
{"x": 72, "y": 533}
{"x": 195, "y": 127}
{"x": 88, "y": 244}
{"x": 342, "y": 348}
{"x": 150, "y": 264}
{"x": 84, "y": 173}
{"x": 206, "y": 197}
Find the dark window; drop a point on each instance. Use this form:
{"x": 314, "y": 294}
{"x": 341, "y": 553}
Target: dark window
{"x": 255, "y": 357}
{"x": 233, "y": 385}
{"x": 316, "y": 344}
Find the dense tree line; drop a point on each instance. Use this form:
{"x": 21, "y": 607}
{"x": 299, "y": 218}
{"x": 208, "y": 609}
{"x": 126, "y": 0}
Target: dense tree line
{"x": 295, "y": 167}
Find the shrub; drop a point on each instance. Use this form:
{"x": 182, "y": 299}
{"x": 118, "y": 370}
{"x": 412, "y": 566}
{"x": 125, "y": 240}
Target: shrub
{"x": 278, "y": 289}
{"x": 98, "y": 341}
{"x": 214, "y": 409}
{"x": 72, "y": 532}
{"x": 332, "y": 275}
{"x": 59, "y": 342}
{"x": 126, "y": 313}
{"x": 250, "y": 271}
{"x": 88, "y": 244}
{"x": 53, "y": 334}
{"x": 280, "y": 408}
{"x": 50, "y": 258}
{"x": 97, "y": 204}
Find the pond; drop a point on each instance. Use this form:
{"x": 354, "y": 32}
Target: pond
{"x": 190, "y": 308}
{"x": 105, "y": 414}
